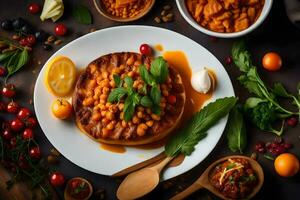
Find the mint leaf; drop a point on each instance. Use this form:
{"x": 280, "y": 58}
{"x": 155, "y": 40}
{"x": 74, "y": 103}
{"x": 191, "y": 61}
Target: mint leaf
{"x": 146, "y": 77}
{"x": 155, "y": 94}
{"x": 117, "y": 80}
{"x": 82, "y": 14}
{"x": 146, "y": 101}
{"x": 159, "y": 69}
{"x": 195, "y": 130}
{"x": 129, "y": 108}
{"x": 116, "y": 95}
{"x": 236, "y": 131}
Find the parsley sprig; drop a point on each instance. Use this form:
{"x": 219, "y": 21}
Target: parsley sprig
{"x": 148, "y": 96}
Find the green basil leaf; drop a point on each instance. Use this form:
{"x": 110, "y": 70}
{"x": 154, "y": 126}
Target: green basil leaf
{"x": 136, "y": 99}
{"x": 159, "y": 69}
{"x": 146, "y": 101}
{"x": 5, "y": 56}
{"x": 117, "y": 80}
{"x": 116, "y": 95}
{"x": 155, "y": 94}
{"x": 143, "y": 90}
{"x": 156, "y": 109}
{"x": 128, "y": 108}
{"x": 236, "y": 131}
{"x": 82, "y": 14}
{"x": 195, "y": 130}
{"x": 146, "y": 77}
{"x": 20, "y": 60}
{"x": 129, "y": 82}
{"x": 280, "y": 91}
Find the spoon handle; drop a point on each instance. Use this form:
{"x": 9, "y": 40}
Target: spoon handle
{"x": 162, "y": 164}
{"x": 188, "y": 191}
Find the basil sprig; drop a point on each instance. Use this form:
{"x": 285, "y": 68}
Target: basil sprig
{"x": 82, "y": 14}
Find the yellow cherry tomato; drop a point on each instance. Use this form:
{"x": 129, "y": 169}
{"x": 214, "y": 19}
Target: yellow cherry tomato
{"x": 61, "y": 108}
{"x": 286, "y": 165}
{"x": 272, "y": 61}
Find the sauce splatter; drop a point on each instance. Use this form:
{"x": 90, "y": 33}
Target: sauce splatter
{"x": 159, "y": 47}
{"x": 113, "y": 148}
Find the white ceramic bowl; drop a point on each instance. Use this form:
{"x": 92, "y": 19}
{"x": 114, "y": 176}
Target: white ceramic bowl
{"x": 186, "y": 15}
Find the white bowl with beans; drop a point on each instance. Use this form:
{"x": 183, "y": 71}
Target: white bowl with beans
{"x": 189, "y": 18}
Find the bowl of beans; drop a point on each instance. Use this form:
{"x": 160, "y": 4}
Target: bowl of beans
{"x": 225, "y": 18}
{"x": 123, "y": 10}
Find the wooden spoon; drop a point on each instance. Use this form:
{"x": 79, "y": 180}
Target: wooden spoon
{"x": 141, "y": 182}
{"x": 203, "y": 181}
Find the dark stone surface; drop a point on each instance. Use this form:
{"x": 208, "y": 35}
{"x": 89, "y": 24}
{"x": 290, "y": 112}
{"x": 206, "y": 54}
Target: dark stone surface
{"x": 276, "y": 34}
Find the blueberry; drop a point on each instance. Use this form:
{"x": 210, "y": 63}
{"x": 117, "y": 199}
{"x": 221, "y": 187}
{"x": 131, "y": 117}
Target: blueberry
{"x": 6, "y": 24}
{"x": 47, "y": 47}
{"x": 27, "y": 29}
{"x": 18, "y": 23}
{"x": 41, "y": 35}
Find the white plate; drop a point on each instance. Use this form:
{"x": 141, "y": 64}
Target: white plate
{"x": 86, "y": 153}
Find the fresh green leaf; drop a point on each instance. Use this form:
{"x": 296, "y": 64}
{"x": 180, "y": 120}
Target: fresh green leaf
{"x": 159, "y": 69}
{"x": 116, "y": 95}
{"x": 117, "y": 80}
{"x": 185, "y": 140}
{"x": 143, "y": 90}
{"x": 129, "y": 82}
{"x": 136, "y": 98}
{"x": 155, "y": 94}
{"x": 236, "y": 131}
{"x": 5, "y": 56}
{"x": 280, "y": 91}
{"x": 146, "y": 77}
{"x": 253, "y": 102}
{"x": 241, "y": 57}
{"x": 82, "y": 14}
{"x": 156, "y": 109}
{"x": 146, "y": 101}
{"x": 230, "y": 166}
{"x": 128, "y": 108}
{"x": 252, "y": 86}
{"x": 18, "y": 61}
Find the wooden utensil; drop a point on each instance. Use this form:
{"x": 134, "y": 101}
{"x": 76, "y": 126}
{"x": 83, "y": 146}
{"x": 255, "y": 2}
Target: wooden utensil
{"x": 203, "y": 181}
{"x": 141, "y": 182}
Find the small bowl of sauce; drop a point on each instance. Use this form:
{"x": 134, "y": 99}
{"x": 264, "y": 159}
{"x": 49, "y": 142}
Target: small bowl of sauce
{"x": 78, "y": 189}
{"x": 123, "y": 10}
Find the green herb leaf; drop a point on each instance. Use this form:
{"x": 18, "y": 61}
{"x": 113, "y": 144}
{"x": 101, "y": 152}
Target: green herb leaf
{"x": 241, "y": 57}
{"x": 159, "y": 69}
{"x": 230, "y": 166}
{"x": 129, "y": 82}
{"x": 146, "y": 101}
{"x": 252, "y": 102}
{"x": 155, "y": 94}
{"x": 116, "y": 95}
{"x": 128, "y": 108}
{"x": 280, "y": 91}
{"x": 156, "y": 109}
{"x": 236, "y": 131}
{"x": 146, "y": 77}
{"x": 143, "y": 90}
{"x": 5, "y": 56}
{"x": 82, "y": 14}
{"x": 117, "y": 80}
{"x": 185, "y": 140}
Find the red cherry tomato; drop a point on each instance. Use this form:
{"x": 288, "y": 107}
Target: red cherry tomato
{"x": 9, "y": 91}
{"x": 13, "y": 107}
{"x": 23, "y": 42}
{"x": 272, "y": 61}
{"x": 60, "y": 29}
{"x": 35, "y": 153}
{"x": 145, "y": 49}
{"x": 34, "y": 8}
{"x": 31, "y": 122}
{"x": 171, "y": 99}
{"x": 7, "y": 135}
{"x": 2, "y": 71}
{"x": 27, "y": 134}
{"x": 2, "y": 107}
{"x": 16, "y": 125}
{"x": 24, "y": 113}
{"x": 57, "y": 179}
{"x": 31, "y": 40}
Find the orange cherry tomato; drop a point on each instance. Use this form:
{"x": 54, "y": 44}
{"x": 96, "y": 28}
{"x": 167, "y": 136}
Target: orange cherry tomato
{"x": 286, "y": 165}
{"x": 272, "y": 61}
{"x": 61, "y": 108}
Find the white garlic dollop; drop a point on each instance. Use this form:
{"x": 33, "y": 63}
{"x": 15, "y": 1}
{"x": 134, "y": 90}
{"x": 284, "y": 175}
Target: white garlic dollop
{"x": 201, "y": 81}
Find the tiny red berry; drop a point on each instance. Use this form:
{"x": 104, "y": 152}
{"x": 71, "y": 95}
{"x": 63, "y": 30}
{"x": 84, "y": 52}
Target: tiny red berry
{"x": 23, "y": 42}
{"x": 60, "y": 29}
{"x": 2, "y": 71}
{"x": 35, "y": 153}
{"x": 171, "y": 99}
{"x": 13, "y": 107}
{"x": 27, "y": 134}
{"x": 34, "y": 8}
{"x": 145, "y": 49}
{"x": 31, "y": 122}
{"x": 7, "y": 135}
{"x": 57, "y": 179}
{"x": 31, "y": 40}
{"x": 24, "y": 113}
{"x": 16, "y": 125}
{"x": 228, "y": 60}
{"x": 292, "y": 121}
{"x": 9, "y": 91}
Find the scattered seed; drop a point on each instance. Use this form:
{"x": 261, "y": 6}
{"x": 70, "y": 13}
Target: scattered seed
{"x": 54, "y": 152}
{"x": 157, "y": 20}
{"x": 92, "y": 30}
{"x": 52, "y": 159}
{"x": 165, "y": 19}
{"x": 167, "y": 7}
{"x": 100, "y": 194}
{"x": 170, "y": 15}
{"x": 163, "y": 13}
{"x": 254, "y": 156}
{"x": 51, "y": 39}
{"x": 33, "y": 71}
{"x": 16, "y": 37}
{"x": 57, "y": 42}
{"x": 39, "y": 62}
